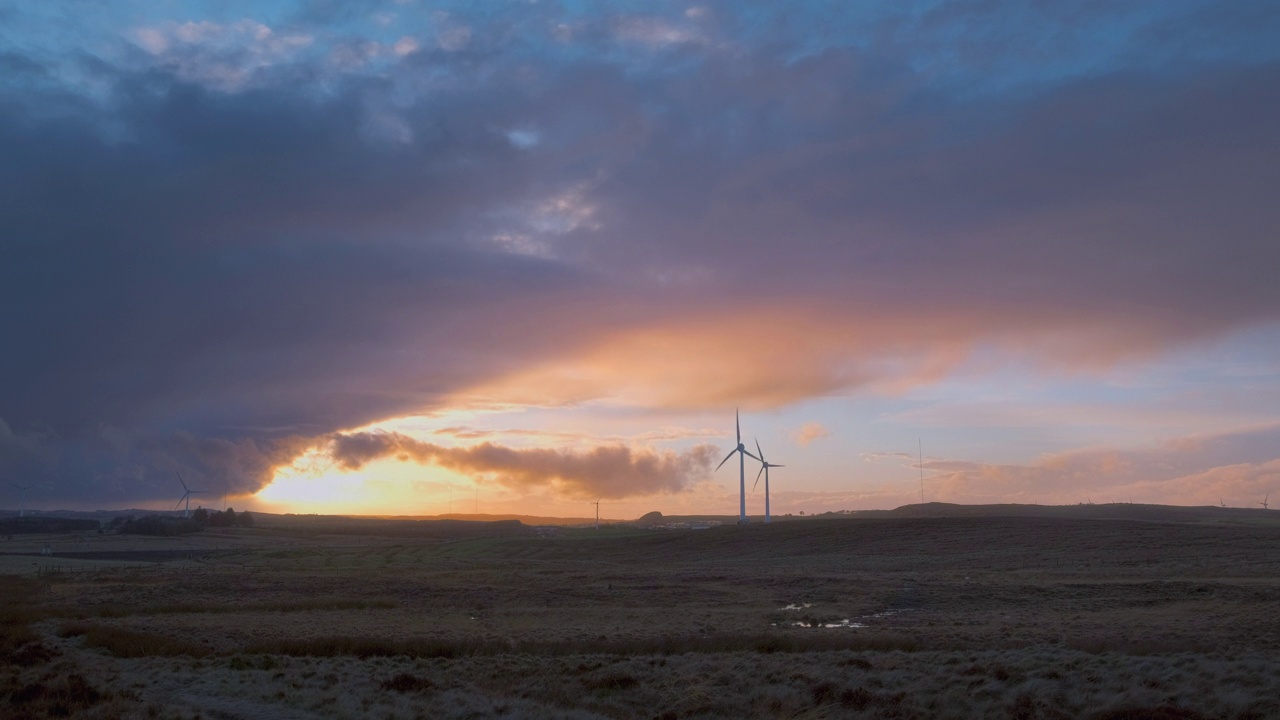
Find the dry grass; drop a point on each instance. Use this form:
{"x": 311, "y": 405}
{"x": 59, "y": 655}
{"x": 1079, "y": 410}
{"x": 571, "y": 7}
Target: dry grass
{"x": 130, "y": 644}
{"x": 54, "y": 697}
{"x": 19, "y": 644}
{"x": 116, "y": 610}
{"x": 765, "y": 643}
{"x": 1014, "y": 618}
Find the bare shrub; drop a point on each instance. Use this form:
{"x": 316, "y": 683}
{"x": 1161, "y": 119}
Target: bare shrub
{"x": 859, "y": 698}
{"x": 1027, "y": 707}
{"x": 64, "y": 698}
{"x": 613, "y": 681}
{"x": 408, "y": 683}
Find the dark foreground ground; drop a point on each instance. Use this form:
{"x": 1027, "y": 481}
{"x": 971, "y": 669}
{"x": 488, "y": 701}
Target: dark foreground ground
{"x": 924, "y": 617}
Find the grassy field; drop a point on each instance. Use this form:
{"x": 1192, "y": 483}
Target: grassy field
{"x": 1020, "y": 617}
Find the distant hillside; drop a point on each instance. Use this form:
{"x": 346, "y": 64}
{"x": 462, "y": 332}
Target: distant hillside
{"x": 1102, "y": 511}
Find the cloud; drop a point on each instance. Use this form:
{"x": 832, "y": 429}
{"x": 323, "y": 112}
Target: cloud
{"x": 893, "y": 457}
{"x": 229, "y": 227}
{"x": 809, "y": 432}
{"x": 113, "y": 467}
{"x": 612, "y": 472}
{"x": 405, "y": 45}
{"x": 222, "y": 56}
{"x": 664, "y": 433}
{"x": 1238, "y": 467}
{"x": 453, "y": 39}
{"x": 654, "y": 31}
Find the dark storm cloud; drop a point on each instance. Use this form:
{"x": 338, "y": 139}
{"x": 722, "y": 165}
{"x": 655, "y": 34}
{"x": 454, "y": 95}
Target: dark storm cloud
{"x": 222, "y": 241}
{"x": 237, "y": 262}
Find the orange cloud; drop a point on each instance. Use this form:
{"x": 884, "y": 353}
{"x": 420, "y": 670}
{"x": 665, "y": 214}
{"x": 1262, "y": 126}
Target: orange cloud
{"x": 615, "y": 471}
{"x": 1237, "y": 468}
{"x": 809, "y": 432}
{"x": 791, "y": 350}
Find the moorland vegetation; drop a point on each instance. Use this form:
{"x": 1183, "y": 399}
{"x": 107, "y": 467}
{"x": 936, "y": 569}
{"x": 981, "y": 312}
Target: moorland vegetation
{"x": 892, "y": 617}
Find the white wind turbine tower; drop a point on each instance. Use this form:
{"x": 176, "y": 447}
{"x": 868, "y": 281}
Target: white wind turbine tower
{"x": 186, "y": 497}
{"x": 743, "y": 453}
{"x": 764, "y": 468}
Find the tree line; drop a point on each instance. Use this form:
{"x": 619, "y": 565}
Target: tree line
{"x": 169, "y": 525}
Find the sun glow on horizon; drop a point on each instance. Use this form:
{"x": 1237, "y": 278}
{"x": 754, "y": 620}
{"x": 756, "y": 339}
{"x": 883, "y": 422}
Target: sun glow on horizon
{"x": 315, "y": 484}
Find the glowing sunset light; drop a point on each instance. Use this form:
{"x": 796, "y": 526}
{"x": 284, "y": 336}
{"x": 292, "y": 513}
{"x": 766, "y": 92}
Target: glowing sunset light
{"x": 384, "y": 487}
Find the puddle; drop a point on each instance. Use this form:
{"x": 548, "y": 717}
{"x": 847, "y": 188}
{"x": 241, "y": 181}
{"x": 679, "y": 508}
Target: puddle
{"x": 885, "y": 614}
{"x": 793, "y": 606}
{"x": 842, "y": 624}
{"x": 846, "y": 623}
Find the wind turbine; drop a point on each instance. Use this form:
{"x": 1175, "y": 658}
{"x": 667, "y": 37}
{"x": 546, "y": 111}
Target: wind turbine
{"x": 186, "y": 496}
{"x": 597, "y": 513}
{"x": 1264, "y": 501}
{"x": 764, "y": 468}
{"x": 743, "y": 453}
{"x": 22, "y": 498}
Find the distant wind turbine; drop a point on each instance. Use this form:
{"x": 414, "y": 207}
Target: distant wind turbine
{"x": 764, "y": 468}
{"x": 597, "y": 513}
{"x": 22, "y": 498}
{"x": 743, "y": 454}
{"x": 1264, "y": 501}
{"x": 186, "y": 497}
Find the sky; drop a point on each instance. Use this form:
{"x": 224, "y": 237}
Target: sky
{"x": 519, "y": 256}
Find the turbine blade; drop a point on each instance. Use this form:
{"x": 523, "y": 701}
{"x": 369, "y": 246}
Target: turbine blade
{"x": 737, "y": 426}
{"x": 759, "y": 450}
{"x": 748, "y": 454}
{"x": 775, "y": 465}
{"x": 184, "y": 482}
{"x": 175, "y": 507}
{"x": 757, "y": 482}
{"x": 726, "y": 458}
